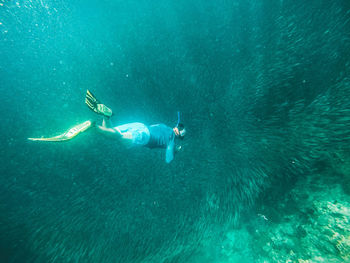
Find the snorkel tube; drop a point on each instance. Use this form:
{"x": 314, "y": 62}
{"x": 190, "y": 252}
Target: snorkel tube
{"x": 178, "y": 119}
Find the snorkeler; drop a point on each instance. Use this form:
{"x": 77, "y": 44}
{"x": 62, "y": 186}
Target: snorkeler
{"x": 136, "y": 133}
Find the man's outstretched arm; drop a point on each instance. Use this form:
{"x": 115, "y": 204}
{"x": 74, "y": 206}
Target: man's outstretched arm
{"x": 169, "y": 155}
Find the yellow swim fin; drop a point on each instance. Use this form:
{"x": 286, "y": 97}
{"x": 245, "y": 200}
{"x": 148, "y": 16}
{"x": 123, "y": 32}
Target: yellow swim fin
{"x": 94, "y": 104}
{"x": 71, "y": 133}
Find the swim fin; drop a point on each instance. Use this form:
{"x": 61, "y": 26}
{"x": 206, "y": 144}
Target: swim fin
{"x": 71, "y": 133}
{"x": 97, "y": 106}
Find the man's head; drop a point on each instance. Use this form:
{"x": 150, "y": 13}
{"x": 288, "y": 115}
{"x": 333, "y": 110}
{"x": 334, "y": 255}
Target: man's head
{"x": 180, "y": 131}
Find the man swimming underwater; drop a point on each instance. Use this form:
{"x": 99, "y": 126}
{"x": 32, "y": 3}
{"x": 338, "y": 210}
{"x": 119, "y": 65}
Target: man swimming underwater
{"x": 136, "y": 133}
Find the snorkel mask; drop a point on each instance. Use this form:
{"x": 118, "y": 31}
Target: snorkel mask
{"x": 179, "y": 128}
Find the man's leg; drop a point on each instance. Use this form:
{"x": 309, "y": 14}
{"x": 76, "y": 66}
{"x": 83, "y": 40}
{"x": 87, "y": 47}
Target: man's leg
{"x": 106, "y": 129}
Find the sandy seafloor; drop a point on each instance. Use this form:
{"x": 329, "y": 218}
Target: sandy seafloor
{"x": 308, "y": 224}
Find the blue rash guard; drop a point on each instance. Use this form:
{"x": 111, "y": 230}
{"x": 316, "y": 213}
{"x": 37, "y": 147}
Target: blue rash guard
{"x": 154, "y": 136}
{"x": 162, "y": 136}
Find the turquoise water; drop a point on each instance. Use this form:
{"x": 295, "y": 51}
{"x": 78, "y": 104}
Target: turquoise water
{"x": 263, "y": 88}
